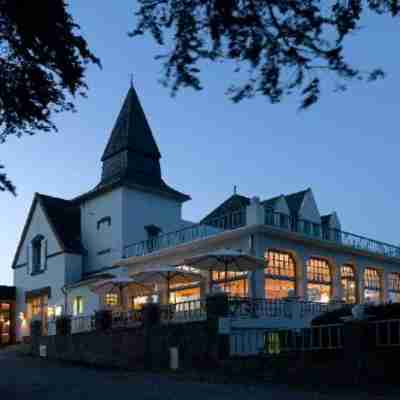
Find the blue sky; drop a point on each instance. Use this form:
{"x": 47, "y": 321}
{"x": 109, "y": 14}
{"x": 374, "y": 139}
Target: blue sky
{"x": 346, "y": 148}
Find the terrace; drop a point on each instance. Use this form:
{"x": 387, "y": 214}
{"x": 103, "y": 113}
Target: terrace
{"x": 275, "y": 220}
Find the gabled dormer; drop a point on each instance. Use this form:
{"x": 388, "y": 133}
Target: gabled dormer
{"x": 302, "y": 206}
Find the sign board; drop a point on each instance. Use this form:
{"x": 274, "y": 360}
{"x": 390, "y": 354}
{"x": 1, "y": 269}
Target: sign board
{"x": 43, "y": 351}
{"x": 224, "y": 326}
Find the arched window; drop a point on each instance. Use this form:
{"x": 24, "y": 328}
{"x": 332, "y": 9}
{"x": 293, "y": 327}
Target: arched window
{"x": 233, "y": 283}
{"x": 319, "y": 280}
{"x": 349, "y": 284}
{"x": 394, "y": 287}
{"x": 280, "y": 275}
{"x": 372, "y": 285}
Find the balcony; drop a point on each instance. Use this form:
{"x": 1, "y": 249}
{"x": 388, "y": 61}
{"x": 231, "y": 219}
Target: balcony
{"x": 213, "y": 227}
{"x": 321, "y": 232}
{"x": 267, "y": 217}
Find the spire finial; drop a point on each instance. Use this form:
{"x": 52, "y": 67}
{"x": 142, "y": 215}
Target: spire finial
{"x": 234, "y": 189}
{"x": 131, "y": 77}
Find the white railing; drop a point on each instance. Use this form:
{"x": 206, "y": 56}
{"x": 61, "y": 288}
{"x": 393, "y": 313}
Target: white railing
{"x": 250, "y": 342}
{"x": 187, "y": 311}
{"x": 323, "y": 337}
{"x": 312, "y": 308}
{"x": 126, "y": 319}
{"x": 385, "y": 333}
{"x": 240, "y": 307}
{"x": 82, "y": 324}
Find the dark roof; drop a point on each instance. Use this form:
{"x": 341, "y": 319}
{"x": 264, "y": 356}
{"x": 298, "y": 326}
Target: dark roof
{"x": 65, "y": 218}
{"x": 131, "y": 157}
{"x": 295, "y": 201}
{"x": 162, "y": 188}
{"x": 131, "y": 130}
{"x": 235, "y": 202}
{"x": 325, "y": 218}
{"x": 271, "y": 202}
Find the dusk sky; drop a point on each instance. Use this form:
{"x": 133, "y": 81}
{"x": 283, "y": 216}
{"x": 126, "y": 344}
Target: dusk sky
{"x": 346, "y": 148}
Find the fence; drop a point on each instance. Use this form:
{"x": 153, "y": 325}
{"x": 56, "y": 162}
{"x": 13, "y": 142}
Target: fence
{"x": 318, "y": 231}
{"x": 384, "y": 333}
{"x": 211, "y": 227}
{"x": 246, "y": 307}
{"x": 187, "y": 311}
{"x": 246, "y": 342}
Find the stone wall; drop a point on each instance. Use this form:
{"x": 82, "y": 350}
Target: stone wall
{"x": 133, "y": 348}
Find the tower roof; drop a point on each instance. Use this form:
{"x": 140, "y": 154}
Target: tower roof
{"x": 131, "y": 130}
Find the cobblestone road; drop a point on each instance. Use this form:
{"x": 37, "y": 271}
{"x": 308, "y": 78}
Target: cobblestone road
{"x": 32, "y": 379}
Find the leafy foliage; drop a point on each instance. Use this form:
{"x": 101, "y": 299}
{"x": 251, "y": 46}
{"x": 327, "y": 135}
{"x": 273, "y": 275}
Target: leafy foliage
{"x": 287, "y": 45}
{"x": 42, "y": 62}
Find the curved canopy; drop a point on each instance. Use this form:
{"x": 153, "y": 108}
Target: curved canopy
{"x": 225, "y": 260}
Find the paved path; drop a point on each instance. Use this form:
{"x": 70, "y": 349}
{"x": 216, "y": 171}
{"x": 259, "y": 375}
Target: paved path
{"x": 32, "y": 379}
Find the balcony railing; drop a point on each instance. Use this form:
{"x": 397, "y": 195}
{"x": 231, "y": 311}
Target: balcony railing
{"x": 211, "y": 227}
{"x": 318, "y": 231}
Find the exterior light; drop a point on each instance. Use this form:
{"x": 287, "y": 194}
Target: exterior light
{"x": 22, "y": 316}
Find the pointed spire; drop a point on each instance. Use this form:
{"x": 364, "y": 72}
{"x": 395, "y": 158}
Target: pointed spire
{"x": 131, "y": 156}
{"x": 131, "y": 130}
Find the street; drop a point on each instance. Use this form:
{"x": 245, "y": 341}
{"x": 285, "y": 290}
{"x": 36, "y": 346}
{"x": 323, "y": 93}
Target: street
{"x": 33, "y": 379}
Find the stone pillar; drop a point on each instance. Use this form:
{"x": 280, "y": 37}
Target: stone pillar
{"x": 218, "y": 344}
{"x": 337, "y": 290}
{"x": 385, "y": 282}
{"x": 301, "y": 277}
{"x": 255, "y": 212}
{"x": 360, "y": 283}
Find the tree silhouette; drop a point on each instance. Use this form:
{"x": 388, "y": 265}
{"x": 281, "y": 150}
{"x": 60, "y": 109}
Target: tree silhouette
{"x": 288, "y": 46}
{"x": 43, "y": 59}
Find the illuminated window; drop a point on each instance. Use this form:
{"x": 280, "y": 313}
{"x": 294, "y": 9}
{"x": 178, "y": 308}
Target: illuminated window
{"x": 111, "y": 299}
{"x": 280, "y": 275}
{"x": 394, "y": 287}
{"x": 78, "y": 305}
{"x": 137, "y": 302}
{"x": 372, "y": 285}
{"x": 184, "y": 294}
{"x": 319, "y": 280}
{"x": 349, "y": 284}
{"x": 233, "y": 283}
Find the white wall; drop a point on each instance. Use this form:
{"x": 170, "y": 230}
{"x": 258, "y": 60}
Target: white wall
{"x": 38, "y": 225}
{"x": 107, "y": 237}
{"x": 54, "y": 276}
{"x": 143, "y": 208}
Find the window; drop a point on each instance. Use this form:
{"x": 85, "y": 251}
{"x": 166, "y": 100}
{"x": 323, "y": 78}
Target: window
{"x": 111, "y": 299}
{"x": 233, "y": 283}
{"x": 78, "y": 306}
{"x": 394, "y": 287}
{"x": 280, "y": 275}
{"x": 37, "y": 254}
{"x": 349, "y": 284}
{"x": 319, "y": 280}
{"x": 372, "y": 285}
{"x": 180, "y": 295}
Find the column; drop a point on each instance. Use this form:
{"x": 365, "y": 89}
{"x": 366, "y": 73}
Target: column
{"x": 337, "y": 290}
{"x": 301, "y": 277}
{"x": 360, "y": 283}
